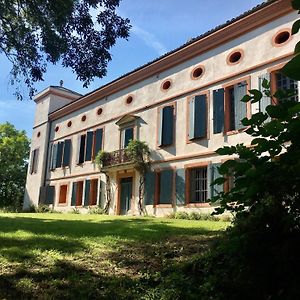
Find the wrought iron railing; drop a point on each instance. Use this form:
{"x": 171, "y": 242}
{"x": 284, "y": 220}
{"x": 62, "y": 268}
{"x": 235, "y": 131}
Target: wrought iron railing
{"x": 116, "y": 158}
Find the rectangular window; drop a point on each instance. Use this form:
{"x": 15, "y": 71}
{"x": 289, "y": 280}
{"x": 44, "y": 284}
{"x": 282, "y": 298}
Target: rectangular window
{"x": 81, "y": 149}
{"x": 286, "y": 83}
{"x": 198, "y": 186}
{"x": 34, "y": 161}
{"x": 235, "y": 109}
{"x": 228, "y": 108}
{"x": 79, "y": 193}
{"x": 166, "y": 126}
{"x": 89, "y": 145}
{"x": 127, "y": 134}
{"x": 63, "y": 191}
{"x": 164, "y": 183}
{"x": 60, "y": 154}
{"x": 93, "y": 191}
{"x": 197, "y": 117}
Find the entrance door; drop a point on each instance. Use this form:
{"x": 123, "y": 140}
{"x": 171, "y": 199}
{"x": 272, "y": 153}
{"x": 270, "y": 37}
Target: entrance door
{"x": 125, "y": 195}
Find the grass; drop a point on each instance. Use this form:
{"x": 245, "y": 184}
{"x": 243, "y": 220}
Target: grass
{"x": 55, "y": 256}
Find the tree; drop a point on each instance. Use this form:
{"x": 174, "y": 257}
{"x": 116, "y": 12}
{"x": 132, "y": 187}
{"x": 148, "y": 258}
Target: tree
{"x": 78, "y": 33}
{"x": 14, "y": 152}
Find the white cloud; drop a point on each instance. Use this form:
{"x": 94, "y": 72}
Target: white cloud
{"x": 149, "y": 39}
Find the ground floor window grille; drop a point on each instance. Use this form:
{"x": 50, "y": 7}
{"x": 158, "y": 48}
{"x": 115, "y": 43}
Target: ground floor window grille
{"x": 198, "y": 185}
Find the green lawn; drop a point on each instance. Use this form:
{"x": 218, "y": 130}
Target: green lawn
{"x": 69, "y": 256}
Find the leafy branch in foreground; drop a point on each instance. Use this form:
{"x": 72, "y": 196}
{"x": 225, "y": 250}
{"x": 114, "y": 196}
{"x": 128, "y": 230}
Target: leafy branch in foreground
{"x": 77, "y": 33}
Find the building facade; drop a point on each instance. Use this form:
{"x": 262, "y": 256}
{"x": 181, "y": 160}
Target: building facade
{"x": 184, "y": 105}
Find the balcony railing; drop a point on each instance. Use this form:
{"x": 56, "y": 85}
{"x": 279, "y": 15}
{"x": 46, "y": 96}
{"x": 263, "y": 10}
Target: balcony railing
{"x": 114, "y": 158}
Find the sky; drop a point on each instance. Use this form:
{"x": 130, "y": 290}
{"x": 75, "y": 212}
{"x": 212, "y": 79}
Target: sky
{"x": 158, "y": 26}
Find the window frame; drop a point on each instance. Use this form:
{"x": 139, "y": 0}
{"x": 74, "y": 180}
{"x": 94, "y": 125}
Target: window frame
{"x": 187, "y": 117}
{"x": 34, "y": 160}
{"x": 188, "y": 168}
{"x": 159, "y": 110}
{"x": 273, "y": 87}
{"x": 226, "y": 88}
{"x": 59, "y": 203}
{"x": 122, "y": 129}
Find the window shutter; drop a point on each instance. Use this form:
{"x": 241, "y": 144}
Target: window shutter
{"x": 54, "y": 156}
{"x": 67, "y": 153}
{"x": 192, "y": 119}
{"x": 50, "y": 192}
{"x": 101, "y": 193}
{"x": 81, "y": 149}
{"x": 218, "y": 110}
{"x": 160, "y": 127}
{"x": 87, "y": 193}
{"x": 200, "y": 116}
{"x": 128, "y": 136}
{"x": 74, "y": 190}
{"x": 166, "y": 187}
{"x": 214, "y": 174}
{"x": 264, "y": 101}
{"x": 98, "y": 140}
{"x": 180, "y": 186}
{"x": 89, "y": 145}
{"x": 240, "y": 109}
{"x": 59, "y": 155}
{"x": 167, "y": 125}
{"x": 149, "y": 188}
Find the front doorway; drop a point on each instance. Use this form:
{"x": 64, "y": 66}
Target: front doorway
{"x": 125, "y": 194}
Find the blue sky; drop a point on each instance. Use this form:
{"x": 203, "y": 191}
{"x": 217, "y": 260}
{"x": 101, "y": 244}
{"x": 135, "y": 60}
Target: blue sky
{"x": 158, "y": 26}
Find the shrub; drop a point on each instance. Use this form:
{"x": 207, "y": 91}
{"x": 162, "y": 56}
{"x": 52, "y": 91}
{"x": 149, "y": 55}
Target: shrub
{"x": 96, "y": 211}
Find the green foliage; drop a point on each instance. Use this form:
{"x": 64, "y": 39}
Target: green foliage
{"x": 75, "y": 211}
{"x": 35, "y": 33}
{"x": 139, "y": 154}
{"x": 199, "y": 216}
{"x": 291, "y": 69}
{"x": 14, "y": 152}
{"x": 101, "y": 158}
{"x": 97, "y": 211}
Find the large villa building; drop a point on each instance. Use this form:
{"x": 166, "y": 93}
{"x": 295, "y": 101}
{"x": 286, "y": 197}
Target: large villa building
{"x": 184, "y": 105}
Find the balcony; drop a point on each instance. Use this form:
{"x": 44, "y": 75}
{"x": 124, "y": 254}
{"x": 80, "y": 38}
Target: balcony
{"x": 116, "y": 158}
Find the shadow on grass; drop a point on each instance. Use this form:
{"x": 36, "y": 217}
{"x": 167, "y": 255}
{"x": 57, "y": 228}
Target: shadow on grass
{"x": 141, "y": 246}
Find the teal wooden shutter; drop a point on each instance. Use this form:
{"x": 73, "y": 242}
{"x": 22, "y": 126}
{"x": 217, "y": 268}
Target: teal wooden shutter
{"x": 50, "y": 192}
{"x": 98, "y": 140}
{"x": 149, "y": 188}
{"x": 192, "y": 119}
{"x": 160, "y": 127}
{"x": 167, "y": 125}
{"x": 54, "y": 156}
{"x": 240, "y": 108}
{"x": 180, "y": 186}
{"x": 59, "y": 155}
{"x": 101, "y": 193}
{"x": 74, "y": 190}
{"x": 265, "y": 100}
{"x": 67, "y": 153}
{"x": 89, "y": 145}
{"x": 214, "y": 172}
{"x": 81, "y": 149}
{"x": 218, "y": 110}
{"x": 87, "y": 193}
{"x": 166, "y": 187}
{"x": 200, "y": 116}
